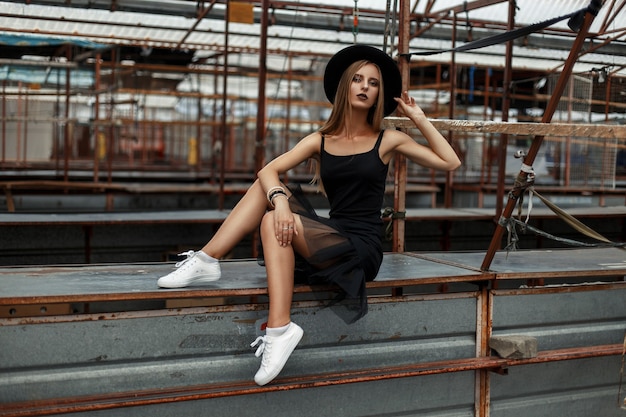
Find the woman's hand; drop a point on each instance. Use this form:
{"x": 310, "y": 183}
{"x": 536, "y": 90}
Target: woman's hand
{"x": 438, "y": 154}
{"x": 284, "y": 222}
{"x": 409, "y": 107}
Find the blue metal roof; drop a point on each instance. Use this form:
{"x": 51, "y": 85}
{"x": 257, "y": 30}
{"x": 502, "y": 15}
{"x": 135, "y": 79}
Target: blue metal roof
{"x": 22, "y": 39}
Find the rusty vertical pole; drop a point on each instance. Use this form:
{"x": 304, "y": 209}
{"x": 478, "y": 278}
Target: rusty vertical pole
{"x": 25, "y": 149}
{"x": 4, "y": 123}
{"x": 506, "y": 104}
{"x": 483, "y": 332}
{"x": 451, "y": 111}
{"x": 453, "y": 75}
{"x": 110, "y": 140}
{"x": 96, "y": 119}
{"x": 224, "y": 124}
{"x": 18, "y": 123}
{"x": 484, "y": 324}
{"x": 514, "y": 194}
{"x": 606, "y": 160}
{"x": 260, "y": 117}
{"x": 67, "y": 130}
{"x": 287, "y": 129}
{"x": 199, "y": 126}
{"x": 487, "y": 139}
{"x": 214, "y": 127}
{"x": 400, "y": 160}
{"x": 568, "y": 139}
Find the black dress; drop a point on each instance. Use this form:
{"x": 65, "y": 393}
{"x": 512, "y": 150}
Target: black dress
{"x": 346, "y": 248}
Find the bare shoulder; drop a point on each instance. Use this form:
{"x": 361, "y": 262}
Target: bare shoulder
{"x": 311, "y": 143}
{"x": 393, "y": 138}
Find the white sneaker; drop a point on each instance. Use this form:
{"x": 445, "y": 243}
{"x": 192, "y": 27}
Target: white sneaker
{"x": 191, "y": 270}
{"x": 276, "y": 350}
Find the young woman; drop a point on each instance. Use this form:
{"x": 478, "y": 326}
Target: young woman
{"x": 353, "y": 155}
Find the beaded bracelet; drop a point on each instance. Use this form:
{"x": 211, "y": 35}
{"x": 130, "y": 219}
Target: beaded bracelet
{"x": 271, "y": 190}
{"x": 276, "y": 193}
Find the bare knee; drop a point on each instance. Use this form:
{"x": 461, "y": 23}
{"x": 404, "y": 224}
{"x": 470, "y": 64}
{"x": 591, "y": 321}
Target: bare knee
{"x": 267, "y": 226}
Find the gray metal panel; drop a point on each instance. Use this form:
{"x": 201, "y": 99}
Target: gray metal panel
{"x": 58, "y": 357}
{"x": 138, "y": 281}
{"x": 561, "y": 317}
{"x": 114, "y": 354}
{"x": 542, "y": 263}
{"x": 577, "y": 388}
{"x": 113, "y": 218}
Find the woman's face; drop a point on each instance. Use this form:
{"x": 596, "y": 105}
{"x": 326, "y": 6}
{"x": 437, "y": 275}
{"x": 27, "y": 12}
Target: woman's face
{"x": 364, "y": 87}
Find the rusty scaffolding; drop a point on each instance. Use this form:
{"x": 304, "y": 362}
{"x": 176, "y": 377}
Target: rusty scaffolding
{"x": 154, "y": 111}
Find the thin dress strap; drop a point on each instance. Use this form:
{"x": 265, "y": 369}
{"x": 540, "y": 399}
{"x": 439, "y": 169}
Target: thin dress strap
{"x": 380, "y": 139}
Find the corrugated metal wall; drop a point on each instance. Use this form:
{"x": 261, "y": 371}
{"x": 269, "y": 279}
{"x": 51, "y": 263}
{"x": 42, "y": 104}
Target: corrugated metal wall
{"x": 417, "y": 354}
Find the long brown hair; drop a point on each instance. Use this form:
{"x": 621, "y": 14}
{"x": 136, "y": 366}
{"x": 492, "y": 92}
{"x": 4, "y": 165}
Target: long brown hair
{"x": 342, "y": 108}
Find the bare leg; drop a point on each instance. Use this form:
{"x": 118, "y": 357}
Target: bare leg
{"x": 279, "y": 265}
{"x": 242, "y": 220}
{"x": 282, "y": 336}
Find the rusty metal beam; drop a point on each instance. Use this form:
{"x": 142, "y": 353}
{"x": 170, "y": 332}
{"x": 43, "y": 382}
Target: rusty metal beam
{"x": 521, "y": 128}
{"x": 209, "y": 391}
{"x": 467, "y": 7}
{"x": 259, "y": 157}
{"x": 195, "y": 25}
{"x": 400, "y": 161}
{"x": 224, "y": 118}
{"x": 506, "y": 104}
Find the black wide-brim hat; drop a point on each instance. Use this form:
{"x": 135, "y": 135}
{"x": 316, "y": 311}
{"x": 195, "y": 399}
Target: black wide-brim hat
{"x": 392, "y": 81}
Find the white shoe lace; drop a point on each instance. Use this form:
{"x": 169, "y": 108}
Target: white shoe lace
{"x": 263, "y": 347}
{"x": 189, "y": 255}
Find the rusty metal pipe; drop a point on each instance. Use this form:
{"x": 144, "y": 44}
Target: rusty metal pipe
{"x": 261, "y": 113}
{"x": 202, "y": 392}
{"x": 400, "y": 161}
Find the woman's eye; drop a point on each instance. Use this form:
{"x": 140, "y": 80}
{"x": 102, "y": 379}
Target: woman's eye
{"x": 357, "y": 79}
{"x": 374, "y": 83}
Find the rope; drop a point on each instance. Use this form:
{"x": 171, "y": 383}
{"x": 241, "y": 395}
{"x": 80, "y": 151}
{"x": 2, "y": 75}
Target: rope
{"x": 575, "y": 223}
{"x": 393, "y": 215}
{"x": 511, "y": 224}
{"x": 525, "y": 182}
{"x": 523, "y": 227}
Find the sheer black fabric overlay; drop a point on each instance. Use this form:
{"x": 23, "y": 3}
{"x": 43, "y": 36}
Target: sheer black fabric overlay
{"x": 332, "y": 258}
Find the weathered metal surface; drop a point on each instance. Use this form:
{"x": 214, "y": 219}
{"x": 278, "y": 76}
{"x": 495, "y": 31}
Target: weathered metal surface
{"x": 66, "y": 284}
{"x": 580, "y": 388}
{"x": 92, "y": 356}
{"x": 113, "y": 218}
{"x": 518, "y": 128}
{"x": 561, "y": 318}
{"x": 421, "y": 353}
{"x": 572, "y": 321}
{"x": 558, "y": 263}
{"x": 433, "y": 395}
{"x": 32, "y": 285}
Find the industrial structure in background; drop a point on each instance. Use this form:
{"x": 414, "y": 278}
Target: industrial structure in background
{"x": 107, "y": 92}
{"x": 129, "y": 128}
